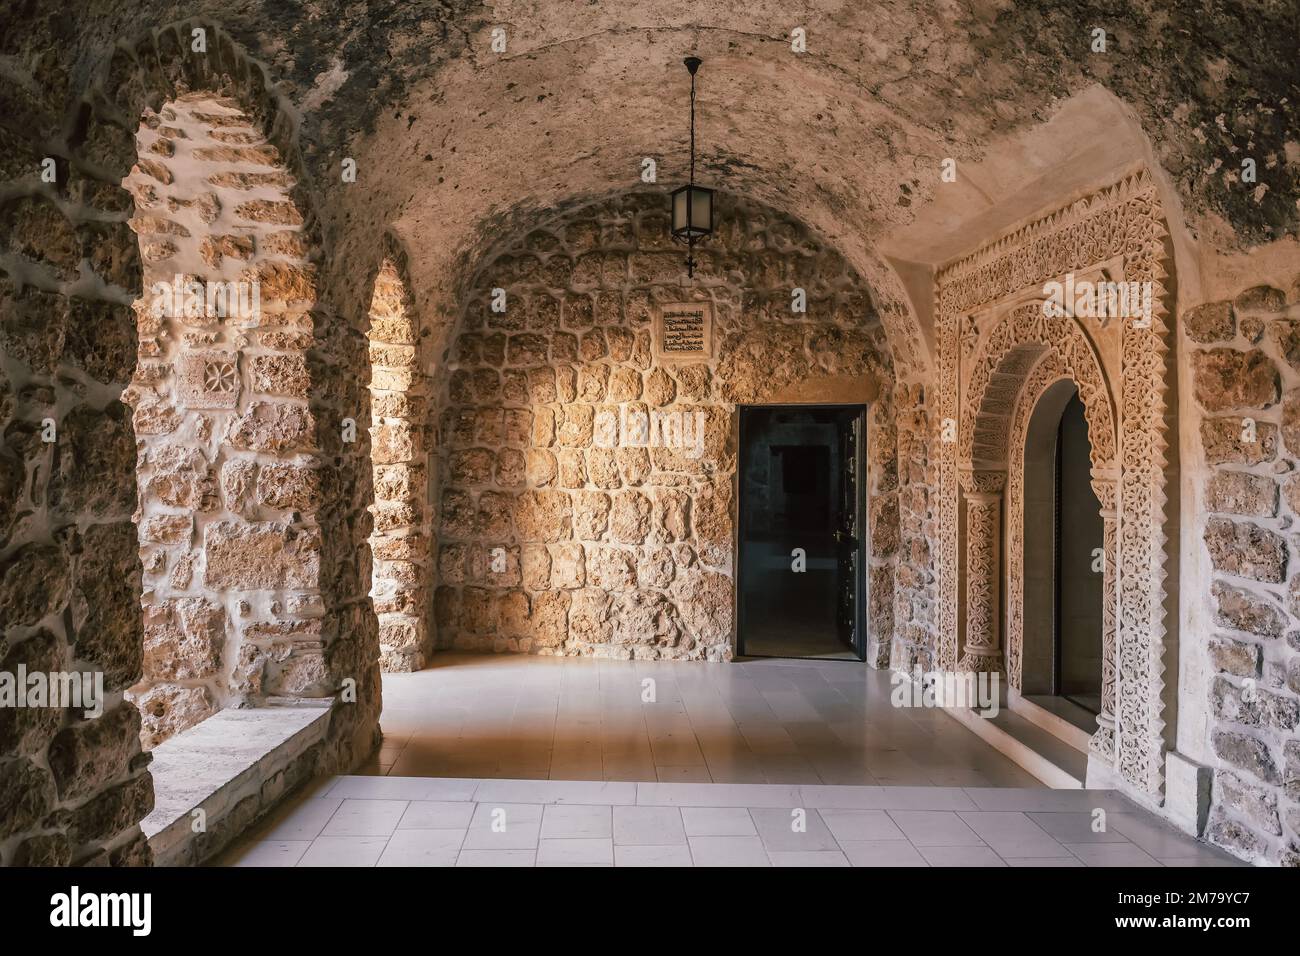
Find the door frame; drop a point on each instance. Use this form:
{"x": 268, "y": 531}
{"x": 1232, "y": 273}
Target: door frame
{"x": 862, "y": 596}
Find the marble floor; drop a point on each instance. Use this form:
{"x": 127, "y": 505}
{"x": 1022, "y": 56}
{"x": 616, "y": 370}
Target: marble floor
{"x": 512, "y": 760}
{"x": 755, "y": 721}
{"x": 427, "y": 821}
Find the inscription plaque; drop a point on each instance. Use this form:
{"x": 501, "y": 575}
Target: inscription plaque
{"x": 683, "y": 331}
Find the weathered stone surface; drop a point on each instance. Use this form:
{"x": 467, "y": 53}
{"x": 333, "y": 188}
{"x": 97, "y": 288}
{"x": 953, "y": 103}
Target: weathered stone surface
{"x": 288, "y": 487}
{"x": 1231, "y": 656}
{"x": 589, "y": 617}
{"x": 33, "y": 583}
{"x": 113, "y": 810}
{"x": 1239, "y": 609}
{"x": 1246, "y": 753}
{"x": 1238, "y": 441}
{"x": 567, "y": 566}
{"x": 1249, "y": 800}
{"x": 1252, "y": 706}
{"x": 1246, "y": 550}
{"x": 1228, "y": 378}
{"x": 27, "y": 793}
{"x": 1260, "y": 298}
{"x": 1290, "y": 427}
{"x": 1228, "y": 833}
{"x": 27, "y": 730}
{"x": 611, "y": 568}
{"x": 107, "y": 581}
{"x": 182, "y": 478}
{"x": 260, "y": 555}
{"x": 280, "y": 375}
{"x": 1241, "y": 493}
{"x": 272, "y": 427}
{"x": 183, "y": 640}
{"x": 1212, "y": 322}
{"x": 705, "y": 601}
{"x": 88, "y": 755}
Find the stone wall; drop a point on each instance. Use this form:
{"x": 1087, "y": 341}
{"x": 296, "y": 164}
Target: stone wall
{"x": 914, "y": 633}
{"x": 551, "y": 542}
{"x": 401, "y": 440}
{"x": 228, "y": 481}
{"x": 74, "y": 789}
{"x": 1246, "y": 382}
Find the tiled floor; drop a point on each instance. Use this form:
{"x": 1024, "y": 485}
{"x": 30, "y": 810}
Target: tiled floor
{"x": 760, "y": 721}
{"x": 424, "y": 821}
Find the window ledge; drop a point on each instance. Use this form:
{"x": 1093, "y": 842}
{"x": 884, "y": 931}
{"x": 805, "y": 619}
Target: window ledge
{"x": 234, "y": 766}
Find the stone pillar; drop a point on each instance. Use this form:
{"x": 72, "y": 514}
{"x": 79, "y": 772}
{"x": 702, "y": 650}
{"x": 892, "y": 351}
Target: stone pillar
{"x": 983, "y": 650}
{"x": 1103, "y": 741}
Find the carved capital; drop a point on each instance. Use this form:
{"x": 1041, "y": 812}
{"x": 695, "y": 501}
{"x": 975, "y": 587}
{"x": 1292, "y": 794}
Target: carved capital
{"x": 983, "y": 485}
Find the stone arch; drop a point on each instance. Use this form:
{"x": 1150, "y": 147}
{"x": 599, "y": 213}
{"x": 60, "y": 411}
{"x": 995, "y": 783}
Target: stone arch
{"x": 1116, "y": 231}
{"x": 402, "y": 442}
{"x": 73, "y": 264}
{"x": 627, "y": 551}
{"x": 228, "y": 472}
{"x": 1025, "y": 341}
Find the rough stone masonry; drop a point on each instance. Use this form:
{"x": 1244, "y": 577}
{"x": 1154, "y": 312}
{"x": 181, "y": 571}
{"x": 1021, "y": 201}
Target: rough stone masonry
{"x": 554, "y": 538}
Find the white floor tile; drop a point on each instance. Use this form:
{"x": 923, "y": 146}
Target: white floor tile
{"x": 718, "y": 821}
{"x": 575, "y": 821}
{"x": 365, "y": 818}
{"x": 934, "y": 828}
{"x": 648, "y": 826}
{"x": 657, "y": 856}
{"x": 436, "y": 815}
{"x": 423, "y": 848}
{"x": 344, "y": 851}
{"x": 583, "y": 852}
{"x": 728, "y": 851}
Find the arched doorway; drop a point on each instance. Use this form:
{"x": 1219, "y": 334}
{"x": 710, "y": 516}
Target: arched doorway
{"x": 1063, "y": 561}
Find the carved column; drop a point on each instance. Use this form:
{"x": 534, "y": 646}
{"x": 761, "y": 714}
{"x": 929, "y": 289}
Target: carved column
{"x": 1103, "y": 741}
{"x": 983, "y": 650}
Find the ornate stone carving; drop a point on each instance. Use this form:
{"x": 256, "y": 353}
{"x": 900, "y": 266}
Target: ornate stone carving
{"x": 1122, "y": 222}
{"x": 983, "y": 580}
{"x": 208, "y": 380}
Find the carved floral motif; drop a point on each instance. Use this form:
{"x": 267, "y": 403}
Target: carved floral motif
{"x": 1123, "y": 221}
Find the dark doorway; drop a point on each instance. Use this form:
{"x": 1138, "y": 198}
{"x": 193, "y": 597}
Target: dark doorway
{"x": 1079, "y": 578}
{"x": 799, "y": 572}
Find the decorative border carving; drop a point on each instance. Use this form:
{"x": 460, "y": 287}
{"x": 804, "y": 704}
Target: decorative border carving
{"x": 1124, "y": 220}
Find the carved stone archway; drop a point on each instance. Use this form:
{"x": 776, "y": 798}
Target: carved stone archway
{"x": 1015, "y": 361}
{"x": 997, "y": 353}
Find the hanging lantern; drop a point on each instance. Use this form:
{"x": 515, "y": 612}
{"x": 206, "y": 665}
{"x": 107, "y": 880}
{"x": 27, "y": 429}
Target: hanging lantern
{"x": 692, "y": 204}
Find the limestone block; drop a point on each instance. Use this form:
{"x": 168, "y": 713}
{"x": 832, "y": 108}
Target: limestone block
{"x": 629, "y": 520}
{"x": 611, "y": 568}
{"x": 567, "y": 566}
{"x": 590, "y": 515}
{"x": 260, "y": 555}
{"x": 288, "y": 487}
{"x": 572, "y": 468}
{"x": 1241, "y": 493}
{"x": 542, "y": 467}
{"x": 1210, "y": 323}
{"x": 183, "y": 640}
{"x": 543, "y": 515}
{"x": 1228, "y": 378}
{"x": 272, "y": 427}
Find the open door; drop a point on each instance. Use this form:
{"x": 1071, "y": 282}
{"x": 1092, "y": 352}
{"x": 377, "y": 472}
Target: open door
{"x": 800, "y": 562}
{"x": 848, "y": 540}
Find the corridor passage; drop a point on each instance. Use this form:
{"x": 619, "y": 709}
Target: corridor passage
{"x": 758, "y": 721}
{"x": 422, "y": 821}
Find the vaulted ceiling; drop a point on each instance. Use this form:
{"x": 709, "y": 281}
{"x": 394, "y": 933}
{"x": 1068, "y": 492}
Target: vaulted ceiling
{"x": 458, "y": 145}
